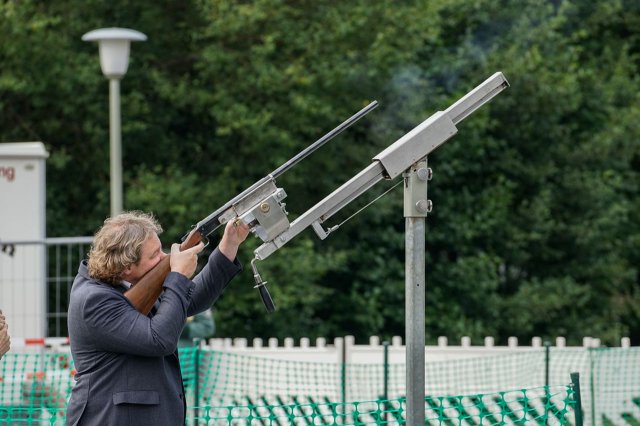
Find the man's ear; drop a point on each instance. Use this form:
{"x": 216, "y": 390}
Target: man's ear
{"x": 126, "y": 273}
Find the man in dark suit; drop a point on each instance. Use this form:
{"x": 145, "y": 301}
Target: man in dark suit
{"x": 128, "y": 372}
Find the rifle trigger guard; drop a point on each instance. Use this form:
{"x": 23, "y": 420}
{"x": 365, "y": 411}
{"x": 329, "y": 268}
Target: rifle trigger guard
{"x": 206, "y": 241}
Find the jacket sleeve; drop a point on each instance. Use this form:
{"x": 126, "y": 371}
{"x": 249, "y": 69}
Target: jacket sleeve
{"x": 115, "y": 325}
{"x": 211, "y": 281}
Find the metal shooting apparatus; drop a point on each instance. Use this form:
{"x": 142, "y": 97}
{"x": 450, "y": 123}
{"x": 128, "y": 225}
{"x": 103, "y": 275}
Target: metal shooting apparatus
{"x": 407, "y": 156}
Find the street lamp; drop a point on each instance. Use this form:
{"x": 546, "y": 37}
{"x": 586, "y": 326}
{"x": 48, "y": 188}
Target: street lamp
{"x": 113, "y": 44}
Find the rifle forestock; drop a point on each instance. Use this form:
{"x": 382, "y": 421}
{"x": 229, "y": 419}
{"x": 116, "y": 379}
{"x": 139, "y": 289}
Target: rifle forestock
{"x": 144, "y": 294}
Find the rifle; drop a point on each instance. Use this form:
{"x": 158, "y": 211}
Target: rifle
{"x": 260, "y": 207}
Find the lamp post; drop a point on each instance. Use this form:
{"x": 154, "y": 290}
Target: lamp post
{"x": 113, "y": 44}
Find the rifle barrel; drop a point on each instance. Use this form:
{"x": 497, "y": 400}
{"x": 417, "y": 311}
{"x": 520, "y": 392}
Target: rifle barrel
{"x": 209, "y": 224}
{"x": 326, "y": 138}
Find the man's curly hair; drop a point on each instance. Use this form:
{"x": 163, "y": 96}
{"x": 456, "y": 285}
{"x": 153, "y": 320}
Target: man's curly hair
{"x": 118, "y": 244}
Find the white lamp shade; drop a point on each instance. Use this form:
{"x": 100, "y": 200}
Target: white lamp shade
{"x": 114, "y": 57}
{"x": 114, "y": 45}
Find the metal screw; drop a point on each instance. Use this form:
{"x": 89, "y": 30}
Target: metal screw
{"x": 423, "y": 174}
{"x": 424, "y": 206}
{"x": 265, "y": 207}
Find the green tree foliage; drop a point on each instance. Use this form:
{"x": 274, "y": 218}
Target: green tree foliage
{"x": 535, "y": 228}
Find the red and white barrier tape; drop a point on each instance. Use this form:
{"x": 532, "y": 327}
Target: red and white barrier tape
{"x": 22, "y": 342}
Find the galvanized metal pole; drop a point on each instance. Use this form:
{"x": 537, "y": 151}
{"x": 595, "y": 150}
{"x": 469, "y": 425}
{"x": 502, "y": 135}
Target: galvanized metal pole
{"x": 415, "y": 319}
{"x": 416, "y": 207}
{"x": 115, "y": 146}
{"x": 114, "y": 45}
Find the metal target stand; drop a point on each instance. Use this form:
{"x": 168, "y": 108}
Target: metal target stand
{"x": 258, "y": 208}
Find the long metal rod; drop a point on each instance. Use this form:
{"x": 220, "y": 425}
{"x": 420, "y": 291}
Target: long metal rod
{"x": 414, "y": 317}
{"x": 317, "y": 144}
{"x": 115, "y": 146}
{"x": 415, "y": 284}
{"x": 360, "y": 210}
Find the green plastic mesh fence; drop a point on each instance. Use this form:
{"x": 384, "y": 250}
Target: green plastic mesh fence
{"x": 229, "y": 388}
{"x": 34, "y": 388}
{"x": 531, "y": 406}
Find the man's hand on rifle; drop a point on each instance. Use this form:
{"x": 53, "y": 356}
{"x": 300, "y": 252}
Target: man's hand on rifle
{"x": 185, "y": 262}
{"x": 235, "y": 233}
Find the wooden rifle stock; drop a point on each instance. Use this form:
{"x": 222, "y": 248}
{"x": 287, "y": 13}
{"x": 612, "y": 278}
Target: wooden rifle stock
{"x": 144, "y": 294}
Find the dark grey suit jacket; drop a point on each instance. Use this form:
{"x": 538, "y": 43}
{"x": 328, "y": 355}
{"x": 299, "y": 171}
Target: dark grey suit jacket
{"x": 128, "y": 372}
